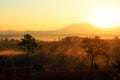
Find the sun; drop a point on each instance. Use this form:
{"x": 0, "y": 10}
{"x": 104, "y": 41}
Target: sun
{"x": 104, "y": 17}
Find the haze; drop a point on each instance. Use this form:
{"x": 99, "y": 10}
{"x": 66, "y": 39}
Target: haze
{"x": 50, "y": 14}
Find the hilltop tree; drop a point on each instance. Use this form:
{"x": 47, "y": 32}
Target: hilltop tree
{"x": 95, "y": 46}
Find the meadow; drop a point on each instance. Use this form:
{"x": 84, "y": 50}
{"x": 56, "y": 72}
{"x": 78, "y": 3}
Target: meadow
{"x": 66, "y": 59}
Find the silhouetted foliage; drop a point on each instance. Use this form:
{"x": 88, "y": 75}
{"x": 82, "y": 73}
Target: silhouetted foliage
{"x": 20, "y": 60}
{"x": 27, "y": 44}
{"x": 94, "y": 46}
{"x": 38, "y": 67}
{"x": 117, "y": 66}
{"x": 61, "y": 60}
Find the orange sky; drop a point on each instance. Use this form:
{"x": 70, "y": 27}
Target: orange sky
{"x": 49, "y": 14}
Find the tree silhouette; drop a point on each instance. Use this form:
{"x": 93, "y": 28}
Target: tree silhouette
{"x": 116, "y": 65}
{"x": 27, "y": 44}
{"x": 94, "y": 46}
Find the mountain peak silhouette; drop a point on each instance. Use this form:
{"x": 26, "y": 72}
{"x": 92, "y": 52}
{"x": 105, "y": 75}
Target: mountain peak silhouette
{"x": 78, "y": 28}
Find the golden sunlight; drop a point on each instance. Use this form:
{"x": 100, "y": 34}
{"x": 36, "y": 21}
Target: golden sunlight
{"x": 104, "y": 17}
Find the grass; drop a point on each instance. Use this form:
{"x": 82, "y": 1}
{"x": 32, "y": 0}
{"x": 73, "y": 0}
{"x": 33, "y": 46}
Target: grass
{"x": 22, "y": 74}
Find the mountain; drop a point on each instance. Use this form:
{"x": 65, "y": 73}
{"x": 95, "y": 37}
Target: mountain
{"x": 78, "y": 28}
{"x": 84, "y": 28}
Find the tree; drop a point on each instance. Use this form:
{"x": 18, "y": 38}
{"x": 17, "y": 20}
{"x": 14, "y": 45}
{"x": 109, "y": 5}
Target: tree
{"x": 27, "y": 44}
{"x": 94, "y": 46}
{"x": 116, "y": 65}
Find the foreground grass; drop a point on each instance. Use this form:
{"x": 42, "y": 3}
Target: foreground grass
{"x": 23, "y": 74}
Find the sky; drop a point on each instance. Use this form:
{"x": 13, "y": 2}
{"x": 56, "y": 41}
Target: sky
{"x": 48, "y": 14}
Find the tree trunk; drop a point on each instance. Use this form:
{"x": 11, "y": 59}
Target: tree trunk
{"x": 28, "y": 65}
{"x": 107, "y": 62}
{"x": 92, "y": 63}
{"x": 28, "y": 60}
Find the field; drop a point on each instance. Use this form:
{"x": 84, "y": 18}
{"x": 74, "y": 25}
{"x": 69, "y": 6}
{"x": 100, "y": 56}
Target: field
{"x": 65, "y": 59}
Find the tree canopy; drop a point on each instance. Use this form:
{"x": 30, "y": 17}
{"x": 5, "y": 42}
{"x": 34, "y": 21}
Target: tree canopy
{"x": 27, "y": 44}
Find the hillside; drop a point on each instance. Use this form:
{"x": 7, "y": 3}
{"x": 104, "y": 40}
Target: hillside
{"x": 84, "y": 28}
{"x": 78, "y": 28}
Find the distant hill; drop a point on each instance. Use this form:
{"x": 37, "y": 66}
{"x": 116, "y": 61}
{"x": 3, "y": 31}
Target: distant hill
{"x": 78, "y": 28}
{"x": 88, "y": 29}
{"x": 84, "y": 28}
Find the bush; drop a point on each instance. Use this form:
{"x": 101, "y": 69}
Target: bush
{"x": 38, "y": 67}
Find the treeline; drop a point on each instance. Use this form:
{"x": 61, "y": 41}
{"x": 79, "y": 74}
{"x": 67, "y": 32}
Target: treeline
{"x": 69, "y": 54}
{"x": 71, "y": 58}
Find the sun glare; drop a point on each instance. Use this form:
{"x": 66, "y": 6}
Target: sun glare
{"x": 104, "y": 18}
